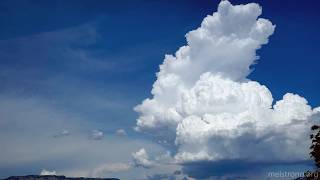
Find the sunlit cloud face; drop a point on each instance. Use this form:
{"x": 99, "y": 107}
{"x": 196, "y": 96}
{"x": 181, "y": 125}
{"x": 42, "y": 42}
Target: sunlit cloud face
{"x": 206, "y": 107}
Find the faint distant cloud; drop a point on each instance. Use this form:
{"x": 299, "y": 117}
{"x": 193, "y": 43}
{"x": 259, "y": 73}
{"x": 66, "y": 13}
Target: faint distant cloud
{"x": 45, "y": 172}
{"x": 96, "y": 135}
{"x": 121, "y": 132}
{"x": 110, "y": 168}
{"x": 62, "y": 134}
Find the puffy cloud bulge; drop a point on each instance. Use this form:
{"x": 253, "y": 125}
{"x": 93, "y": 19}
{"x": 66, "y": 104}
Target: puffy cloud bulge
{"x": 141, "y": 158}
{"x": 203, "y": 99}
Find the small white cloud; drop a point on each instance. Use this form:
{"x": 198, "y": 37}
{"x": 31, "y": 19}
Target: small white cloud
{"x": 45, "y": 172}
{"x": 121, "y": 132}
{"x": 96, "y": 135}
{"x": 62, "y": 133}
{"x": 141, "y": 159}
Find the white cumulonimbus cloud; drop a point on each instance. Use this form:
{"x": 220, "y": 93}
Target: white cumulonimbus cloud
{"x": 204, "y": 104}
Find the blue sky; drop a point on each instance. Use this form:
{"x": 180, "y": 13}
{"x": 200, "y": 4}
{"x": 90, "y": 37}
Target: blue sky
{"x": 84, "y": 65}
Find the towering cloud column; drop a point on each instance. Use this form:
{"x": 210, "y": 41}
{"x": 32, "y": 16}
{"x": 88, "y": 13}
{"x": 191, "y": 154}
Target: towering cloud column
{"x": 204, "y": 105}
